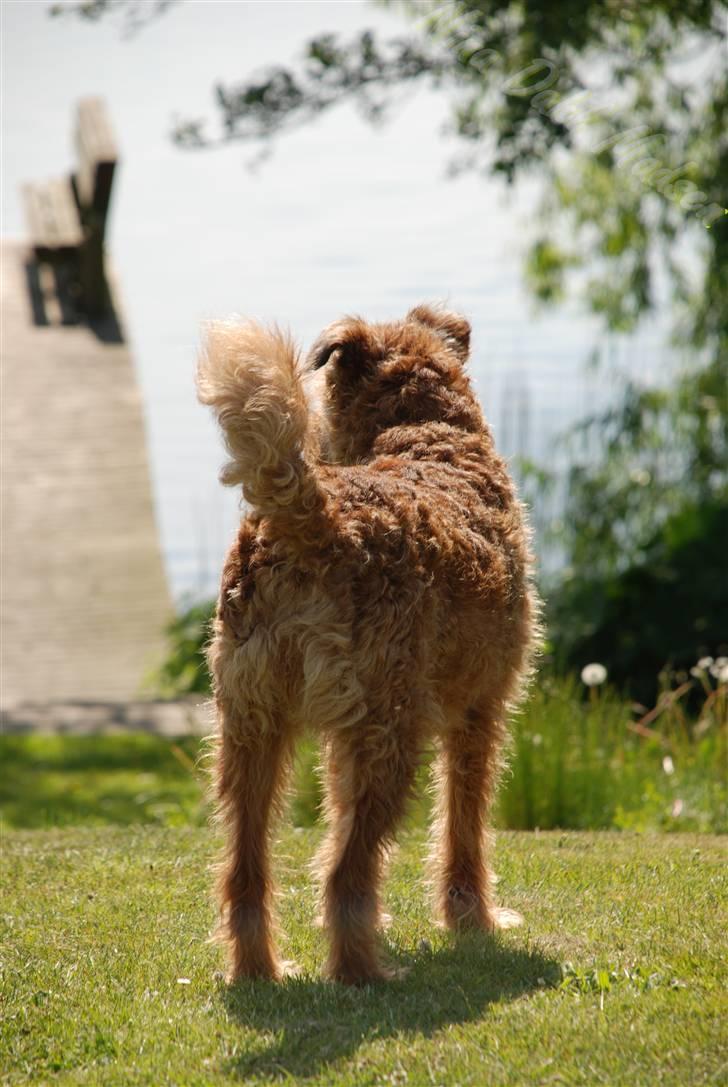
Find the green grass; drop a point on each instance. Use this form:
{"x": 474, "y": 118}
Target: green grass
{"x": 96, "y": 780}
{"x": 573, "y": 764}
{"x": 614, "y": 979}
{"x": 122, "y": 779}
{"x": 603, "y": 763}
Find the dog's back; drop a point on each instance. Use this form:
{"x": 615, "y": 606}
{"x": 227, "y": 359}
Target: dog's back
{"x": 406, "y": 544}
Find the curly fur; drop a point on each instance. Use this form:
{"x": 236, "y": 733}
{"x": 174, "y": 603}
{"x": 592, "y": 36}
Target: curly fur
{"x": 249, "y": 376}
{"x": 380, "y": 595}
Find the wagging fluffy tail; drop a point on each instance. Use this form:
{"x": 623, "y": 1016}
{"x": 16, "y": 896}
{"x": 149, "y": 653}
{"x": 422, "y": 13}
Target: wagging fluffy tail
{"x": 249, "y": 376}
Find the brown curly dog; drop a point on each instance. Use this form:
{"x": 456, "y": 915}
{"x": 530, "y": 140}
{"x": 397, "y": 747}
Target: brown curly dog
{"x": 378, "y": 592}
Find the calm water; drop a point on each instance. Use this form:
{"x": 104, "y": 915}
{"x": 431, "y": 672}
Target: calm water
{"x": 341, "y": 218}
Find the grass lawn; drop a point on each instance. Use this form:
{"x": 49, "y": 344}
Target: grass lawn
{"x": 571, "y": 765}
{"x": 60, "y": 780}
{"x": 615, "y": 977}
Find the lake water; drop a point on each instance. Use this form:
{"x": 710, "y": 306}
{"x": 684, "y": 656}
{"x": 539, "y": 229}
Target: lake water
{"x": 341, "y": 218}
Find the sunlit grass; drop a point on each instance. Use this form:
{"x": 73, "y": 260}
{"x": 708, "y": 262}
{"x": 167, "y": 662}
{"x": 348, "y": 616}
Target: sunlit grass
{"x": 574, "y": 762}
{"x": 598, "y": 763}
{"x": 126, "y": 778}
{"x": 616, "y": 978}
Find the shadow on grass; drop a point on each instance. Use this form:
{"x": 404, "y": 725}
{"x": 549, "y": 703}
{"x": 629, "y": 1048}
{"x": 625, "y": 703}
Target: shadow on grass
{"x": 311, "y": 1023}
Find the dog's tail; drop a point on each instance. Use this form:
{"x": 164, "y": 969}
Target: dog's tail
{"x": 249, "y": 375}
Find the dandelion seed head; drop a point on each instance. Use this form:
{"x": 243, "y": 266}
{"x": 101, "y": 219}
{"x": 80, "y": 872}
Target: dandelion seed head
{"x": 592, "y": 675}
{"x": 720, "y": 672}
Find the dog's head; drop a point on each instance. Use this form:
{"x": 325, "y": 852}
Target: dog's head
{"x": 402, "y": 373}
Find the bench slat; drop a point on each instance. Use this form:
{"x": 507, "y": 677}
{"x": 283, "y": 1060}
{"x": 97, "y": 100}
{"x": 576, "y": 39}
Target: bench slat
{"x": 97, "y": 154}
{"x": 52, "y": 215}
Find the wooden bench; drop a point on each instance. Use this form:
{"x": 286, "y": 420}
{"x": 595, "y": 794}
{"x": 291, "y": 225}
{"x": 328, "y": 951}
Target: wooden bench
{"x": 66, "y": 217}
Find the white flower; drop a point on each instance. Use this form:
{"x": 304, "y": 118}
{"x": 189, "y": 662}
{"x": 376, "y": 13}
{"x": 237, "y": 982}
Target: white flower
{"x": 720, "y": 670}
{"x": 593, "y": 674}
{"x": 668, "y": 765}
{"x": 677, "y": 808}
{"x": 704, "y": 663}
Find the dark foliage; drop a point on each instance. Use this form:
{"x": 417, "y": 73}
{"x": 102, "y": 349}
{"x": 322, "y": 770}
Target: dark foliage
{"x": 184, "y": 670}
{"x": 663, "y": 612}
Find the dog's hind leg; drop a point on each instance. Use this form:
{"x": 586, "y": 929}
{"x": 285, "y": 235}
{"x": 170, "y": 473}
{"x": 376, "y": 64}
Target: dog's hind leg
{"x": 369, "y": 776}
{"x": 253, "y": 755}
{"x": 466, "y": 775}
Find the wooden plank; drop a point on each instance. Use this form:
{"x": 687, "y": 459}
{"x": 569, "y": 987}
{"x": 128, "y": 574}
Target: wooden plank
{"x": 97, "y": 154}
{"x": 52, "y": 215}
{"x": 83, "y": 594}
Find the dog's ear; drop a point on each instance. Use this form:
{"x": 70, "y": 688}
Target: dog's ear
{"x": 322, "y": 351}
{"x": 348, "y": 339}
{"x": 453, "y": 328}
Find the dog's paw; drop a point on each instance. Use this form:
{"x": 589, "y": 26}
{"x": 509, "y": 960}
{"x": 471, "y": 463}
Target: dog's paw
{"x": 463, "y": 915}
{"x": 256, "y": 969}
{"x": 504, "y": 918}
{"x": 397, "y": 973}
{"x": 359, "y": 973}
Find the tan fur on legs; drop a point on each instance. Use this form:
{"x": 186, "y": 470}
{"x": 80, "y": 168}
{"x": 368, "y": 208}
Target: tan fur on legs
{"x": 466, "y": 775}
{"x": 379, "y": 591}
{"x": 251, "y": 766}
{"x": 365, "y": 798}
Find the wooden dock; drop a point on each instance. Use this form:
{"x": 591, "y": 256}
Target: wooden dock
{"x": 83, "y": 593}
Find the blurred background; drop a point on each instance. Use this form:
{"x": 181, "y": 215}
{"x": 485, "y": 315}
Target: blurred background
{"x": 557, "y": 173}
